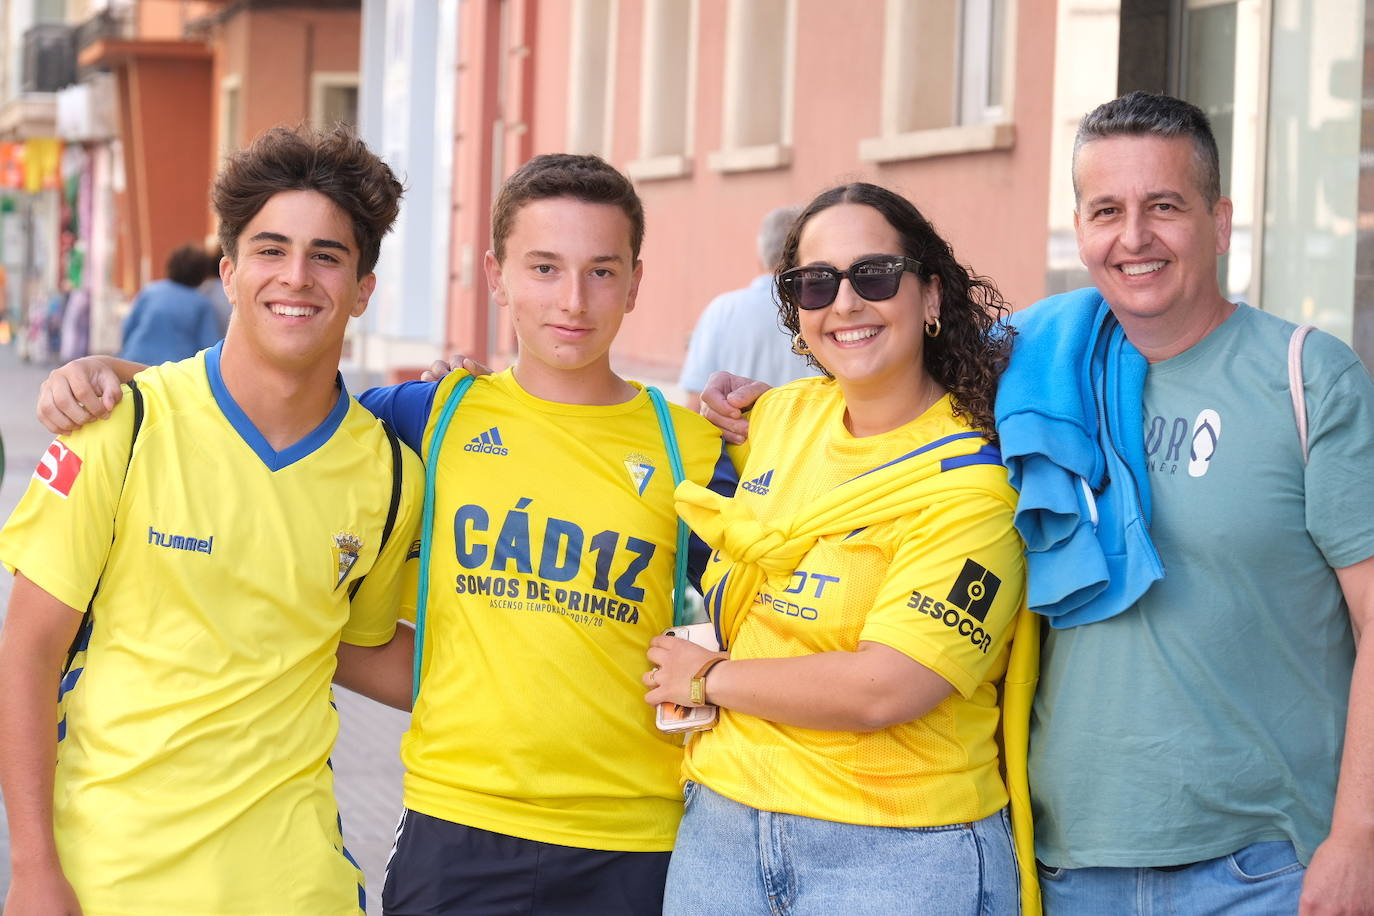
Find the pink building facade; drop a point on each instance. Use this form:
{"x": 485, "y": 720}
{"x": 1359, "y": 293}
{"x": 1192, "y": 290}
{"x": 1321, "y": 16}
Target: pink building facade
{"x": 721, "y": 110}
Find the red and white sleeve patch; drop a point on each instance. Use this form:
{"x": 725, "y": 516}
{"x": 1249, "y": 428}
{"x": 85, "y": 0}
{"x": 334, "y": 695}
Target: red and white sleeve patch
{"x": 57, "y": 469}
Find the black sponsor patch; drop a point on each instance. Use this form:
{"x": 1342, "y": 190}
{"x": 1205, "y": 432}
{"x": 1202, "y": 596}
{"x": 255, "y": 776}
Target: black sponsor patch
{"x": 974, "y": 590}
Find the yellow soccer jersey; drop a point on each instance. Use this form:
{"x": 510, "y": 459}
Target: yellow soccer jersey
{"x": 552, "y": 568}
{"x": 193, "y": 770}
{"x": 942, "y": 586}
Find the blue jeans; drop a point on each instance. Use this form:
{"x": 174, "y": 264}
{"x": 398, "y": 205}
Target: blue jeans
{"x": 1264, "y": 879}
{"x": 733, "y": 859}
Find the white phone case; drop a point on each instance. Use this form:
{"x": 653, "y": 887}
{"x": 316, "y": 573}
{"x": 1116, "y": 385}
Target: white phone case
{"x": 670, "y": 717}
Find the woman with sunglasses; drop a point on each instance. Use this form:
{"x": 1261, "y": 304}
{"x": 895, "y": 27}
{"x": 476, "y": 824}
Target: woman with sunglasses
{"x": 865, "y": 584}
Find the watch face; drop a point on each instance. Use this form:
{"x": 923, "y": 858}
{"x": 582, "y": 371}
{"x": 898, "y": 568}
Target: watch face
{"x": 698, "y": 683}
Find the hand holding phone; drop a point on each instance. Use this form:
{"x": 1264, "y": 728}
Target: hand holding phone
{"x": 672, "y": 717}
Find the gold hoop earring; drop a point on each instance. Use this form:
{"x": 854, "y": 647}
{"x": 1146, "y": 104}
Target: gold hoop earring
{"x": 799, "y": 346}
{"x": 933, "y": 327}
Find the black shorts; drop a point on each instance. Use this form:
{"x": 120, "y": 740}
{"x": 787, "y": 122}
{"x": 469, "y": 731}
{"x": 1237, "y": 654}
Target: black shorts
{"x": 439, "y": 867}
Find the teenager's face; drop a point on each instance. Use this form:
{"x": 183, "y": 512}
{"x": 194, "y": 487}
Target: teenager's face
{"x": 294, "y": 280}
{"x": 569, "y": 278}
{"x": 867, "y": 346}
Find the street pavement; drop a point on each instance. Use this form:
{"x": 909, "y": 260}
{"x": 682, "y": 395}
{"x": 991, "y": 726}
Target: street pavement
{"x": 367, "y": 770}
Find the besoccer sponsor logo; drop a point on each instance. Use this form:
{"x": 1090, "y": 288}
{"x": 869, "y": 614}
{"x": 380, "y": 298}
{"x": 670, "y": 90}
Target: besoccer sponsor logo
{"x": 57, "y": 469}
{"x": 760, "y": 484}
{"x": 974, "y": 590}
{"x": 967, "y": 604}
{"x": 488, "y": 443}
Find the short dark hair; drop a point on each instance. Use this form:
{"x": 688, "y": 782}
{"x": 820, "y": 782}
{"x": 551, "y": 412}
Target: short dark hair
{"x": 974, "y": 344}
{"x": 334, "y": 163}
{"x": 589, "y": 179}
{"x": 1145, "y": 114}
{"x": 186, "y": 265}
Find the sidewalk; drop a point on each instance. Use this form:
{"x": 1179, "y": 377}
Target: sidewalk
{"x": 366, "y": 768}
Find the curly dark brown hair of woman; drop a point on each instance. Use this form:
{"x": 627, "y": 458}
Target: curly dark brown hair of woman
{"x": 974, "y": 344}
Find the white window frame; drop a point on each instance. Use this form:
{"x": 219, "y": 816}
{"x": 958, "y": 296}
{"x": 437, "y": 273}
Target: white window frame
{"x": 980, "y": 126}
{"x": 323, "y": 80}
{"x": 665, "y": 92}
{"x": 231, "y": 84}
{"x": 591, "y": 76}
{"x": 740, "y": 42}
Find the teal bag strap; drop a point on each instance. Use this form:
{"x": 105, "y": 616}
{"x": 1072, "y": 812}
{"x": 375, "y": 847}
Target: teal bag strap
{"x": 427, "y": 522}
{"x": 665, "y": 428}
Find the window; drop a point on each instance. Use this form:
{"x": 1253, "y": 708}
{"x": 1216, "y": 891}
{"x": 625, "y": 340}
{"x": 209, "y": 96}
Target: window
{"x": 756, "y": 131}
{"x": 230, "y": 115}
{"x": 333, "y": 99}
{"x": 945, "y": 79}
{"x": 666, "y": 102}
{"x": 591, "y": 76}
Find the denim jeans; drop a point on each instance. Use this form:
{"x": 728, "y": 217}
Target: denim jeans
{"x": 733, "y": 859}
{"x": 1263, "y": 879}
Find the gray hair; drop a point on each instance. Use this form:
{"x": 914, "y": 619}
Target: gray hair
{"x": 1144, "y": 114}
{"x": 773, "y": 233}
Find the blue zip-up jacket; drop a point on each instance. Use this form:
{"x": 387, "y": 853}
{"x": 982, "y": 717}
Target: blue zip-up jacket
{"x": 1069, "y": 416}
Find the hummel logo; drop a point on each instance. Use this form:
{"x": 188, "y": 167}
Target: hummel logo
{"x": 488, "y": 443}
{"x": 759, "y": 484}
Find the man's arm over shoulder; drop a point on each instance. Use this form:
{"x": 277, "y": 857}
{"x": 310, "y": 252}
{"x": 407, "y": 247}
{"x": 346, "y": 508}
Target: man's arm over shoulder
{"x": 404, "y": 407}
{"x": 375, "y": 652}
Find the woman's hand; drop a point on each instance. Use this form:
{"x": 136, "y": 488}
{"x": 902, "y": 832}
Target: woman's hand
{"x": 676, "y": 661}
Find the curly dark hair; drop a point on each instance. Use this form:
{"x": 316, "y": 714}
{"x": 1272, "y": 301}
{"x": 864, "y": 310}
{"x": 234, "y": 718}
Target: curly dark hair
{"x": 975, "y": 338}
{"x": 589, "y": 179}
{"x": 333, "y": 162}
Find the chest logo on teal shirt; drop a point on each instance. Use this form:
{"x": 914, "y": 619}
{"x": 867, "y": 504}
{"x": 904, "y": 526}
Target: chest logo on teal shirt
{"x": 641, "y": 471}
{"x": 346, "y": 549}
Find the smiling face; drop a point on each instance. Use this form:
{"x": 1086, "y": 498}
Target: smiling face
{"x": 294, "y": 282}
{"x": 1147, "y": 236}
{"x": 569, "y": 278}
{"x": 869, "y": 347}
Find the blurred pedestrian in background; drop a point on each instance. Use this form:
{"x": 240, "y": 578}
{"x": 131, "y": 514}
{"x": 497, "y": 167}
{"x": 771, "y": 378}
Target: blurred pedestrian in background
{"x": 170, "y": 320}
{"x": 739, "y": 331}
{"x": 212, "y": 288}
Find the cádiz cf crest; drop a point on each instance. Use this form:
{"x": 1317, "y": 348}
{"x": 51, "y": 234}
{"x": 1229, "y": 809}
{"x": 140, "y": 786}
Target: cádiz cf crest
{"x": 346, "y": 547}
{"x": 640, "y": 471}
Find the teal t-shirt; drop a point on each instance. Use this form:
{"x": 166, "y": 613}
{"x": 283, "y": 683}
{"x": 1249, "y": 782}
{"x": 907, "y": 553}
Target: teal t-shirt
{"x": 1211, "y": 714}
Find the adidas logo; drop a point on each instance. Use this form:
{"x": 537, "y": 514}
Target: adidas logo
{"x": 759, "y": 484}
{"x": 488, "y": 443}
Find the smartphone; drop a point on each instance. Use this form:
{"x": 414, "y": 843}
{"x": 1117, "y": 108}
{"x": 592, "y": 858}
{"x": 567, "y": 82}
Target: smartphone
{"x": 670, "y": 717}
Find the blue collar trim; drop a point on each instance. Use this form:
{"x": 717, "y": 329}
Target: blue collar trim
{"x": 275, "y": 460}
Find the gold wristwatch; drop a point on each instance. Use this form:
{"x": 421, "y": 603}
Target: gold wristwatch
{"x": 696, "y": 691}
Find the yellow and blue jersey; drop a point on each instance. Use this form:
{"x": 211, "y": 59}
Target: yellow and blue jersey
{"x": 942, "y": 586}
{"x": 552, "y": 568}
{"x": 193, "y": 772}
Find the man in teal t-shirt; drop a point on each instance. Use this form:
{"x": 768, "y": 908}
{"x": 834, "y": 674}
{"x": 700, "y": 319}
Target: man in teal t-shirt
{"x": 1211, "y": 749}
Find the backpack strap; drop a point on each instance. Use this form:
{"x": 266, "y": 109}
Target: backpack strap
{"x": 83, "y": 632}
{"x": 669, "y": 434}
{"x": 1295, "y": 383}
{"x": 455, "y": 397}
{"x": 395, "y": 507}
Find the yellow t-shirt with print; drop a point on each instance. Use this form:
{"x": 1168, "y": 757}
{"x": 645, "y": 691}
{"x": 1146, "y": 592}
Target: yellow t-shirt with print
{"x": 554, "y": 539}
{"x": 193, "y": 772}
{"x": 942, "y": 586}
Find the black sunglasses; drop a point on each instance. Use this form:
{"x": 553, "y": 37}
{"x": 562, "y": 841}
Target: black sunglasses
{"x": 875, "y": 279}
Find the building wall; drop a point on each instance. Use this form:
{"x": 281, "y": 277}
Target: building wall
{"x": 701, "y": 225}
